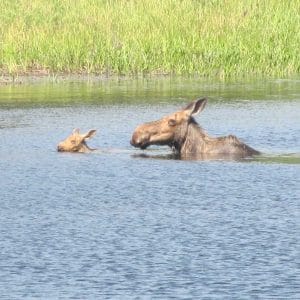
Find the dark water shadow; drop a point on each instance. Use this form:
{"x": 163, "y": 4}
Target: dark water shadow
{"x": 292, "y": 158}
{"x": 192, "y": 157}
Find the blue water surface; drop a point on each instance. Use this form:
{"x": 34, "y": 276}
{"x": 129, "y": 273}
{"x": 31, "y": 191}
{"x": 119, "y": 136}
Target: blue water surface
{"x": 114, "y": 224}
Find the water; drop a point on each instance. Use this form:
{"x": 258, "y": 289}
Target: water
{"x": 115, "y": 224}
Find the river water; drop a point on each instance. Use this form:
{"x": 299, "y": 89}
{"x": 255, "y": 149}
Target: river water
{"x": 122, "y": 223}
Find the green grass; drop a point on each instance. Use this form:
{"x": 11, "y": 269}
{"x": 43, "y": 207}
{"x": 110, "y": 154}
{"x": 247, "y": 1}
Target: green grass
{"x": 209, "y": 37}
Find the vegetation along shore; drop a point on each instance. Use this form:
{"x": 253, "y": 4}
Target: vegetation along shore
{"x": 210, "y": 38}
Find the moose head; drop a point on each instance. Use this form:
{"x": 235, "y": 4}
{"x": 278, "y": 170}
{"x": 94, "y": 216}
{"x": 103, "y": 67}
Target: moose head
{"x": 76, "y": 142}
{"x": 169, "y": 130}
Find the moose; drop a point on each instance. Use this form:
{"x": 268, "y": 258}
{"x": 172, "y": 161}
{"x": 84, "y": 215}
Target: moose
{"x": 76, "y": 142}
{"x": 182, "y": 133}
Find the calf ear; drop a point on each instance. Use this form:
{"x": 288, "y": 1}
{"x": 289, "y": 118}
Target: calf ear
{"x": 196, "y": 106}
{"x": 75, "y": 131}
{"x": 89, "y": 134}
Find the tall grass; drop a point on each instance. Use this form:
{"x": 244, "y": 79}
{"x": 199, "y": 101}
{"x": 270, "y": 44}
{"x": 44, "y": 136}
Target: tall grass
{"x": 206, "y": 37}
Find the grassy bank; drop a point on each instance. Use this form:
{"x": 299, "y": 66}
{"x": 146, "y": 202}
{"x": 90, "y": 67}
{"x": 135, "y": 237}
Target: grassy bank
{"x": 211, "y": 37}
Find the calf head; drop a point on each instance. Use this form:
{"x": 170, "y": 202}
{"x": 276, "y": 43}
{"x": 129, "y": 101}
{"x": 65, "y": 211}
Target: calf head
{"x": 76, "y": 142}
{"x": 168, "y": 130}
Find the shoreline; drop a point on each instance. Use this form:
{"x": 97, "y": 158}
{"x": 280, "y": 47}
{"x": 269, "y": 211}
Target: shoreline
{"x": 40, "y": 76}
{"x": 36, "y": 76}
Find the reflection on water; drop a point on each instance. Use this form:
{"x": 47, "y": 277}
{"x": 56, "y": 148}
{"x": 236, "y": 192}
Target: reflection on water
{"x": 293, "y": 158}
{"x": 195, "y": 157}
{"x": 147, "y": 90}
{"x": 124, "y": 223}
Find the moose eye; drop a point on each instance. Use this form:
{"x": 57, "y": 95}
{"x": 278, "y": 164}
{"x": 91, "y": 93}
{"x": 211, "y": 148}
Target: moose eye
{"x": 172, "y": 122}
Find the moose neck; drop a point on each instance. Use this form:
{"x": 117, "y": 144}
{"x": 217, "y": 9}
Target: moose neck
{"x": 190, "y": 138}
{"x": 85, "y": 148}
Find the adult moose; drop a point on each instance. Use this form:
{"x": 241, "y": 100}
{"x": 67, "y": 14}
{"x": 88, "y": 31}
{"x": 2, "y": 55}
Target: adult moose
{"x": 181, "y": 132}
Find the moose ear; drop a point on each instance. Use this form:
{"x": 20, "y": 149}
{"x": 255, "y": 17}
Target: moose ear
{"x": 75, "y": 131}
{"x": 196, "y": 106}
{"x": 89, "y": 134}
